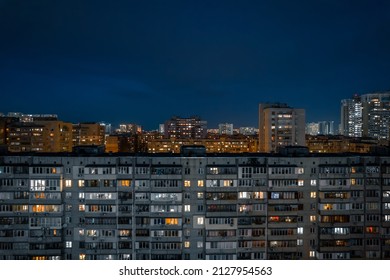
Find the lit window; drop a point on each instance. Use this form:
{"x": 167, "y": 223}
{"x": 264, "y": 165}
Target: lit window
{"x": 187, "y": 183}
{"x": 81, "y": 232}
{"x": 38, "y": 208}
{"x": 82, "y": 257}
{"x": 199, "y": 244}
{"x": 300, "y": 170}
{"x": 313, "y": 218}
{"x": 313, "y": 182}
{"x": 81, "y": 195}
{"x": 68, "y": 244}
{"x": 124, "y": 183}
{"x": 68, "y": 183}
{"x": 200, "y": 220}
{"x": 312, "y": 254}
{"x": 81, "y": 183}
{"x": 171, "y": 221}
{"x": 187, "y": 244}
{"x": 187, "y": 208}
{"x": 300, "y": 230}
{"x": 200, "y": 183}
{"x": 313, "y": 194}
{"x": 200, "y": 195}
{"x": 299, "y": 242}
{"x": 300, "y": 183}
{"x": 82, "y": 207}
{"x": 228, "y": 183}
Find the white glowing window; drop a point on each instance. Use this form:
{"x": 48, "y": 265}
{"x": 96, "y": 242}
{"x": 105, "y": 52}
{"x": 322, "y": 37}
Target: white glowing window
{"x": 81, "y": 183}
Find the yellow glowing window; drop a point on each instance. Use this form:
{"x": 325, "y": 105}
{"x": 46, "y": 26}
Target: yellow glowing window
{"x": 258, "y": 195}
{"x": 200, "y": 183}
{"x": 228, "y": 183}
{"x": 187, "y": 183}
{"x": 81, "y": 207}
{"x": 125, "y": 183}
{"x": 171, "y": 221}
{"x": 39, "y": 195}
{"x": 187, "y": 244}
{"x": 53, "y": 170}
{"x": 38, "y": 208}
{"x": 313, "y": 218}
{"x": 313, "y": 194}
{"x": 353, "y": 182}
{"x": 82, "y": 257}
{"x": 328, "y": 206}
{"x": 81, "y": 183}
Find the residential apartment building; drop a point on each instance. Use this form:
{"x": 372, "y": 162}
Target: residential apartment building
{"x": 213, "y": 144}
{"x": 194, "y": 206}
{"x": 280, "y": 126}
{"x": 367, "y": 115}
{"x": 88, "y": 134}
{"x": 342, "y": 144}
{"x": 39, "y": 136}
{"x": 352, "y": 117}
{"x": 185, "y": 128}
{"x": 225, "y": 128}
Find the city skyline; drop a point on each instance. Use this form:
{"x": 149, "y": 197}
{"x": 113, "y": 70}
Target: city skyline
{"x": 145, "y": 62}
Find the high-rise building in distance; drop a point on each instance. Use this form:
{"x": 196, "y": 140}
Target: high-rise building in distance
{"x": 225, "y": 128}
{"x": 367, "y": 115}
{"x": 185, "y": 128}
{"x": 279, "y": 126}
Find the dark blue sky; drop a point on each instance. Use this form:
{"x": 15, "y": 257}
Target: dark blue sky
{"x": 144, "y": 61}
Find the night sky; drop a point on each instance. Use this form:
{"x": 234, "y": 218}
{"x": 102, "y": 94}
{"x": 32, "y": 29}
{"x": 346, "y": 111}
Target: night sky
{"x": 145, "y": 61}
